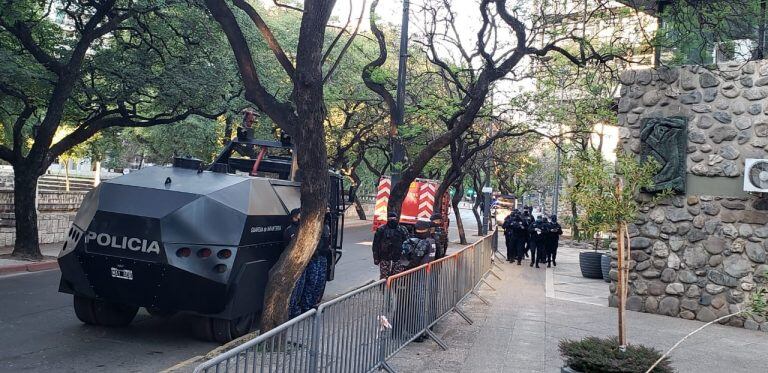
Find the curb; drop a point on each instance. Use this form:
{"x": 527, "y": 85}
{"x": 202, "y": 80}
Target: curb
{"x": 357, "y": 223}
{"x": 29, "y": 267}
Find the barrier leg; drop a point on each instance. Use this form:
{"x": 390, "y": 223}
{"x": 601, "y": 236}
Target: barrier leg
{"x": 499, "y": 268}
{"x": 437, "y": 339}
{"x": 480, "y": 297}
{"x": 494, "y": 274}
{"x": 386, "y": 367}
{"x": 487, "y": 284}
{"x": 498, "y": 254}
{"x": 463, "y": 315}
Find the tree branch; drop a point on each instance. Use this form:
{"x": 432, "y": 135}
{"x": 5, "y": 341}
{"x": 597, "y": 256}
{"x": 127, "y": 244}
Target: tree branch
{"x": 346, "y": 45}
{"x": 24, "y": 35}
{"x": 268, "y": 36}
{"x": 367, "y": 74}
{"x": 281, "y": 113}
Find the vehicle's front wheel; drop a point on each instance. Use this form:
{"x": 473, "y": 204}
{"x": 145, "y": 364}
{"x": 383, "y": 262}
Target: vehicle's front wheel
{"x": 104, "y": 313}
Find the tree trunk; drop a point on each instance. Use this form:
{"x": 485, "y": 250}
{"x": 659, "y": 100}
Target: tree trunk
{"x": 312, "y": 160}
{"x": 97, "y": 174}
{"x": 27, "y": 244}
{"x": 66, "y": 175}
{"x": 479, "y": 221}
{"x": 574, "y": 222}
{"x": 448, "y": 180}
{"x": 360, "y": 210}
{"x": 455, "y": 203}
{"x": 358, "y": 205}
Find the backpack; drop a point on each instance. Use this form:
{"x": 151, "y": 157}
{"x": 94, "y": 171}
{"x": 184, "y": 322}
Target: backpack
{"x": 413, "y": 250}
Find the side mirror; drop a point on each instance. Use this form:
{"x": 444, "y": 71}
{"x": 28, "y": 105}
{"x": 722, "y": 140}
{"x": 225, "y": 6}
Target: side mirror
{"x": 351, "y": 194}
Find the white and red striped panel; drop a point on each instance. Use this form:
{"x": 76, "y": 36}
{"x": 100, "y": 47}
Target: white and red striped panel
{"x": 419, "y": 203}
{"x": 427, "y": 191}
{"x": 382, "y": 199}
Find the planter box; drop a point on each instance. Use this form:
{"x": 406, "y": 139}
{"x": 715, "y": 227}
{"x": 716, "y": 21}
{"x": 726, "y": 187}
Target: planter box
{"x": 590, "y": 264}
{"x": 605, "y": 263}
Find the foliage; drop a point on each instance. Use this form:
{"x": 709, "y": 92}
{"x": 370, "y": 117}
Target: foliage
{"x": 692, "y": 28}
{"x": 602, "y": 355}
{"x": 758, "y": 301}
{"x": 604, "y": 206}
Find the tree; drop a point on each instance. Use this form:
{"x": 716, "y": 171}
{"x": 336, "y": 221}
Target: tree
{"x": 474, "y": 70}
{"x": 301, "y": 114}
{"x": 609, "y": 201}
{"x": 118, "y": 64}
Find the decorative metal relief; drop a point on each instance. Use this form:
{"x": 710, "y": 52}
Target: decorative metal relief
{"x": 666, "y": 141}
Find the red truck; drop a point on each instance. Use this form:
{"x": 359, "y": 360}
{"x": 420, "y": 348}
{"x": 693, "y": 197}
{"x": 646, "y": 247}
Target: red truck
{"x": 419, "y": 203}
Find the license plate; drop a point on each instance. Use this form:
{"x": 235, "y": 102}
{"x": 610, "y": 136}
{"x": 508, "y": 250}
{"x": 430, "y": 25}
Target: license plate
{"x": 125, "y": 274}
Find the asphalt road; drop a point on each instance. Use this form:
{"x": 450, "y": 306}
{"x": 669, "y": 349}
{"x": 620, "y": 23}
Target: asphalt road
{"x": 40, "y": 332}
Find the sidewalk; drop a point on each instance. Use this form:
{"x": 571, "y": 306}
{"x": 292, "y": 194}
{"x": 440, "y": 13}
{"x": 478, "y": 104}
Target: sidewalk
{"x": 520, "y": 330}
{"x": 10, "y": 266}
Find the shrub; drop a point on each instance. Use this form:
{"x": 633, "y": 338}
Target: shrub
{"x": 602, "y": 355}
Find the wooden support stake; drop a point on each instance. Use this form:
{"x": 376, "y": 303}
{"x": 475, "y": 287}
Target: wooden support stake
{"x": 621, "y": 286}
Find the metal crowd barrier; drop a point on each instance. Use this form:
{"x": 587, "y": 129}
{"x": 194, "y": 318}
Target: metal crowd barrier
{"x": 361, "y": 330}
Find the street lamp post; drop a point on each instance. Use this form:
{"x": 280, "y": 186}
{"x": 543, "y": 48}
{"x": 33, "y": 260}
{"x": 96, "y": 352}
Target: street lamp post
{"x": 398, "y": 150}
{"x": 556, "y": 195}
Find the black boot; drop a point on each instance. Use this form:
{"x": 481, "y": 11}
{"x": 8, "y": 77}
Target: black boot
{"x": 531, "y": 264}
{"x": 554, "y": 263}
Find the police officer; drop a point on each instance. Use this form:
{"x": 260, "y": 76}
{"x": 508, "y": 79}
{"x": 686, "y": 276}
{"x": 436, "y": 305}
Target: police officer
{"x": 528, "y": 222}
{"x": 520, "y": 233}
{"x": 387, "y": 245}
{"x": 311, "y": 284}
{"x": 536, "y": 232}
{"x": 509, "y": 237}
{"x": 552, "y": 240}
{"x": 420, "y": 248}
{"x": 439, "y": 235}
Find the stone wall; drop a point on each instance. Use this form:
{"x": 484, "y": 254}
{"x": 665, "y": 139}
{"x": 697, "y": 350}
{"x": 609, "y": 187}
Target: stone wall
{"x": 56, "y": 211}
{"x": 699, "y": 255}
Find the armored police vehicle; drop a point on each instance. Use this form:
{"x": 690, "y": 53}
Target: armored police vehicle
{"x": 188, "y": 239}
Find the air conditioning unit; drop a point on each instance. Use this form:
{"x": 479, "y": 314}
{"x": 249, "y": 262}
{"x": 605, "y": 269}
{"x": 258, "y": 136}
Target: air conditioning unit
{"x": 756, "y": 175}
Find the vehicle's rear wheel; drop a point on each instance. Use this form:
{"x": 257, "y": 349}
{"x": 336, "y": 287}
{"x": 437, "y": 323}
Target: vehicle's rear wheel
{"x": 101, "y": 312}
{"x": 227, "y": 330}
{"x": 201, "y": 327}
{"x": 222, "y": 330}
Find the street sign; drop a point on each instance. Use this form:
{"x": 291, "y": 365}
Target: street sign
{"x": 487, "y": 189}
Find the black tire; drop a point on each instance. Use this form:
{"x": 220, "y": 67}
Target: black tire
{"x": 84, "y": 310}
{"x": 605, "y": 264}
{"x": 589, "y": 262}
{"x": 104, "y": 313}
{"x": 201, "y": 327}
{"x": 226, "y": 330}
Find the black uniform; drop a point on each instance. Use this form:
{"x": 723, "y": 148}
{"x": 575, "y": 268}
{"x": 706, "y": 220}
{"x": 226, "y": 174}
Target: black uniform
{"x": 520, "y": 237}
{"x": 528, "y": 222}
{"x": 551, "y": 240}
{"x": 536, "y": 232}
{"x": 441, "y": 240}
{"x": 509, "y": 237}
{"x": 387, "y": 245}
